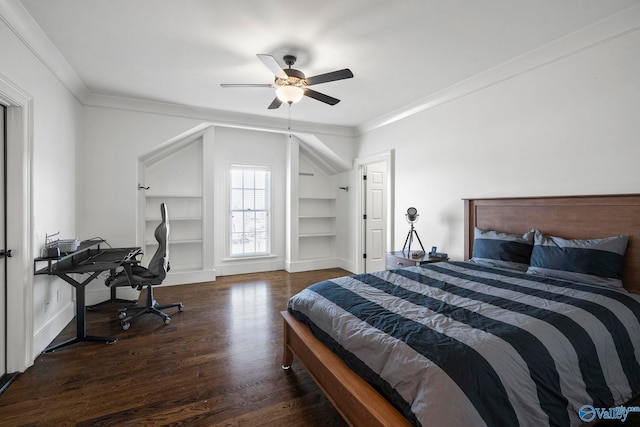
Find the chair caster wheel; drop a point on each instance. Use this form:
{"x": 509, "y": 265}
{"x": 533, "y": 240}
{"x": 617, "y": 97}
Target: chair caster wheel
{"x": 181, "y": 307}
{"x": 126, "y": 326}
{"x": 167, "y": 320}
{"x": 122, "y": 315}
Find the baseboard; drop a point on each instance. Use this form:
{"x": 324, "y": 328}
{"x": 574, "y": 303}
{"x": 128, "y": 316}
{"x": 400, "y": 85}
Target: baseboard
{"x": 316, "y": 264}
{"x": 49, "y": 332}
{"x": 254, "y": 266}
{"x": 178, "y": 277}
{"x": 346, "y": 264}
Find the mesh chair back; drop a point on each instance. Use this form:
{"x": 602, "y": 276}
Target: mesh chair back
{"x": 159, "y": 264}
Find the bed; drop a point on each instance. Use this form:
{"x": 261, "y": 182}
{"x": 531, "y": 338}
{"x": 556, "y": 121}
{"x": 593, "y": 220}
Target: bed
{"x": 482, "y": 344}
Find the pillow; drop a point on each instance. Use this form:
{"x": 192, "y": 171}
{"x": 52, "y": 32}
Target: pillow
{"x": 593, "y": 261}
{"x": 497, "y": 249}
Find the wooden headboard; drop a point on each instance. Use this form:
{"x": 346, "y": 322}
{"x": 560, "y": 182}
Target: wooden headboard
{"x": 571, "y": 217}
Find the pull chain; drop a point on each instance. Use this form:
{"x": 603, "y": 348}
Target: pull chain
{"x": 289, "y": 126}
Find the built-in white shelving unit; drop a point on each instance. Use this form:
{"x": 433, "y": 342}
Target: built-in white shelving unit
{"x": 174, "y": 176}
{"x": 316, "y": 217}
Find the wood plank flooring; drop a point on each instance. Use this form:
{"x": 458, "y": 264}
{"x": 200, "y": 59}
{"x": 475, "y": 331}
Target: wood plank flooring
{"x": 216, "y": 364}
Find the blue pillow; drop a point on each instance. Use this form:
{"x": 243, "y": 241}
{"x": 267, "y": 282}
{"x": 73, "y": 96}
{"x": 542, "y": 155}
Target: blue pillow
{"x": 593, "y": 261}
{"x": 497, "y": 249}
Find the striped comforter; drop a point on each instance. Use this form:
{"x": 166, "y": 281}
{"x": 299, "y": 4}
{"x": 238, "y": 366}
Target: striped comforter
{"x": 458, "y": 344}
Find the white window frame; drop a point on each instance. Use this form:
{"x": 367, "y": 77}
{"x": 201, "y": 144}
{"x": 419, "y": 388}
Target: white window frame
{"x": 268, "y": 210}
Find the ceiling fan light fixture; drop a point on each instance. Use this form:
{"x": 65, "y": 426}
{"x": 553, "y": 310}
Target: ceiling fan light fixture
{"x": 289, "y": 94}
{"x": 291, "y": 84}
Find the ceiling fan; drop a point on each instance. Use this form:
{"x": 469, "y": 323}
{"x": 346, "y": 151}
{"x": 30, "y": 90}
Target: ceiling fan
{"x": 291, "y": 84}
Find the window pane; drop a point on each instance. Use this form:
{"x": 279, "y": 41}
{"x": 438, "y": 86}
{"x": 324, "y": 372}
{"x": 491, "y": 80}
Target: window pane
{"x": 249, "y": 199}
{"x": 261, "y": 242}
{"x": 249, "y": 221}
{"x": 237, "y": 222}
{"x": 236, "y": 178}
{"x": 236, "y": 199}
{"x": 250, "y": 246}
{"x": 248, "y": 178}
{"x": 260, "y": 200}
{"x": 261, "y": 179}
{"x": 249, "y": 204}
{"x": 237, "y": 243}
{"x": 261, "y": 223}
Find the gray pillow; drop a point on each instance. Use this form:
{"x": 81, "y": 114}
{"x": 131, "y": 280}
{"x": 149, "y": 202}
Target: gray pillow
{"x": 593, "y": 261}
{"x": 498, "y": 249}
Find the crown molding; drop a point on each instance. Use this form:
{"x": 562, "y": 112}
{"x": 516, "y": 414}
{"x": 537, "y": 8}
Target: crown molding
{"x": 601, "y": 32}
{"x": 22, "y": 24}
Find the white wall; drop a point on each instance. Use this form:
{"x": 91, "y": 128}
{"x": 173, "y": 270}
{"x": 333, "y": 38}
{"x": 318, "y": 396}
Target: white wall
{"x": 57, "y": 116}
{"x": 568, "y": 127}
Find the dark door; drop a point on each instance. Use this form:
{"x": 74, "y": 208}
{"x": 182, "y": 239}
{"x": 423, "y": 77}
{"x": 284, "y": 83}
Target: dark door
{"x": 3, "y": 243}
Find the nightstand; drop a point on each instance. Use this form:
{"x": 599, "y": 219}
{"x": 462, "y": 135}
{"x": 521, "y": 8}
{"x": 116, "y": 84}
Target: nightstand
{"x": 399, "y": 259}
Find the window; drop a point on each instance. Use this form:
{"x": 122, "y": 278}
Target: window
{"x": 250, "y": 202}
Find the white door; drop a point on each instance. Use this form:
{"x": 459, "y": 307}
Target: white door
{"x": 375, "y": 215}
{"x": 3, "y": 242}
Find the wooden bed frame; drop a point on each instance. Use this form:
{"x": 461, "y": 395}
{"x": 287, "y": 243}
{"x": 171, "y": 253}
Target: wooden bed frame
{"x": 571, "y": 217}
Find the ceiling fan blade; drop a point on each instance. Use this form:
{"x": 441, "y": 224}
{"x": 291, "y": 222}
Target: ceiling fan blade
{"x": 321, "y": 97}
{"x": 275, "y": 104}
{"x": 330, "y": 77}
{"x": 273, "y": 65}
{"x": 246, "y": 85}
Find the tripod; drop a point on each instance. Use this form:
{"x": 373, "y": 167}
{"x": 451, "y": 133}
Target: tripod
{"x": 409, "y": 240}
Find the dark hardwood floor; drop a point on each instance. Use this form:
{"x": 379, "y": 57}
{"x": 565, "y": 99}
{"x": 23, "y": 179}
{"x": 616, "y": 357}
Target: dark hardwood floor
{"x": 216, "y": 364}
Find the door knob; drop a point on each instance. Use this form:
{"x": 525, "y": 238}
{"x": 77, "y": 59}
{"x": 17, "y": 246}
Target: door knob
{"x": 5, "y": 253}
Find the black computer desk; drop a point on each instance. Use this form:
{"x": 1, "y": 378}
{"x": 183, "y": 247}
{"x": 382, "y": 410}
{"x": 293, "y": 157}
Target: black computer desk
{"x": 89, "y": 259}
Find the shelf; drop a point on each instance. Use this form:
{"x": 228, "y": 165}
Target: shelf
{"x": 173, "y": 196}
{"x": 185, "y": 242}
{"x": 317, "y": 225}
{"x": 183, "y": 209}
{"x": 177, "y": 242}
{"x": 317, "y": 198}
{"x": 317, "y": 246}
{"x": 317, "y": 207}
{"x": 157, "y": 220}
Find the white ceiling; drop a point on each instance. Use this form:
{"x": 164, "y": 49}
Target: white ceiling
{"x": 179, "y": 52}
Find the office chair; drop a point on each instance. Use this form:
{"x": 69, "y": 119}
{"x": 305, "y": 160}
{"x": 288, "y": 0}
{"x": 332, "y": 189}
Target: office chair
{"x": 140, "y": 277}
